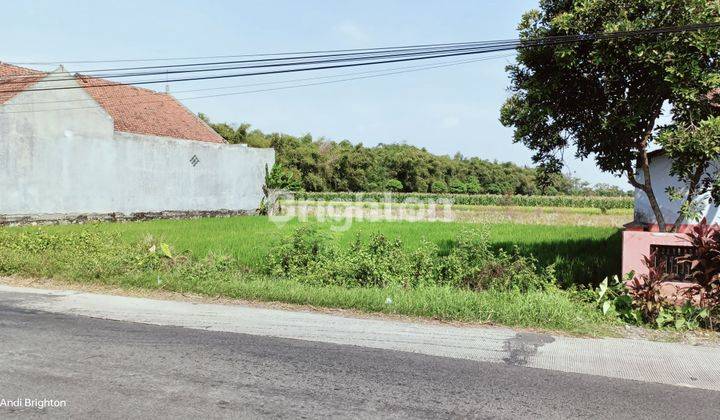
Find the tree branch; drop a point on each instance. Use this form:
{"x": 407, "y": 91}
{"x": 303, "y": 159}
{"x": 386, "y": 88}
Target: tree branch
{"x": 644, "y": 164}
{"x": 692, "y": 190}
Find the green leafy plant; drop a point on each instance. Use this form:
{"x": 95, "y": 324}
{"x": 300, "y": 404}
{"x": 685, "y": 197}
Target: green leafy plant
{"x": 645, "y": 289}
{"x": 613, "y": 300}
{"x": 704, "y": 260}
{"x": 378, "y": 261}
{"x": 281, "y": 178}
{"x": 685, "y": 317}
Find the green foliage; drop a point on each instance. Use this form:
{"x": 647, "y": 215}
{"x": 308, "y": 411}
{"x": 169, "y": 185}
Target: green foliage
{"x": 685, "y": 317}
{"x": 639, "y": 301}
{"x": 93, "y": 255}
{"x": 613, "y": 300}
{"x": 438, "y": 186}
{"x": 605, "y": 203}
{"x": 604, "y": 97}
{"x": 393, "y": 185}
{"x": 580, "y": 254}
{"x": 320, "y": 165}
{"x": 693, "y": 150}
{"x": 84, "y": 254}
{"x": 309, "y": 256}
{"x": 280, "y": 178}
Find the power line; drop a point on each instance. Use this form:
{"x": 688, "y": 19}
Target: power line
{"x": 385, "y": 73}
{"x": 326, "y": 54}
{"x": 237, "y": 55}
{"x": 493, "y": 46}
{"x": 427, "y": 51}
{"x": 275, "y": 82}
{"x": 252, "y": 64}
{"x": 258, "y": 73}
{"x": 292, "y": 53}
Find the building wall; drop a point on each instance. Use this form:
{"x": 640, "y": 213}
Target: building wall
{"x": 62, "y": 161}
{"x": 661, "y": 178}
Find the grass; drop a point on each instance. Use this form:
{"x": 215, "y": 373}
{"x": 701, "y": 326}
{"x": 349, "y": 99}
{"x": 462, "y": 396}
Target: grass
{"x": 541, "y": 209}
{"x": 583, "y": 254}
{"x": 553, "y": 311}
{"x": 112, "y": 254}
{"x": 556, "y": 216}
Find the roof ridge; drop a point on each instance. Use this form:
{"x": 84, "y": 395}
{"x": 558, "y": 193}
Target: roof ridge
{"x": 111, "y": 83}
{"x": 38, "y": 72}
{"x": 132, "y": 108}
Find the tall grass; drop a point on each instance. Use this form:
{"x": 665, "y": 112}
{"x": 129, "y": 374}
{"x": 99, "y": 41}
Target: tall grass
{"x": 124, "y": 255}
{"x": 582, "y": 254}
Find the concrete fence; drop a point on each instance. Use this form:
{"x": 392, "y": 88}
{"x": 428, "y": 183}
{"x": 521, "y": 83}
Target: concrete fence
{"x": 69, "y": 164}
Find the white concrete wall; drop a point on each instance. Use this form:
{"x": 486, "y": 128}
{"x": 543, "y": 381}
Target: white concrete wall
{"x": 70, "y": 161}
{"x": 661, "y": 179}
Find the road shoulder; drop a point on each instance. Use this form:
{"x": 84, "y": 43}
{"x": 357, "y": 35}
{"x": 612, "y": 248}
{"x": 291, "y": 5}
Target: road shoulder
{"x": 659, "y": 362}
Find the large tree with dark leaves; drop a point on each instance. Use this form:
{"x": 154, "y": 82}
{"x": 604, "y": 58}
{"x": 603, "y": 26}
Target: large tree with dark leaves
{"x": 604, "y": 97}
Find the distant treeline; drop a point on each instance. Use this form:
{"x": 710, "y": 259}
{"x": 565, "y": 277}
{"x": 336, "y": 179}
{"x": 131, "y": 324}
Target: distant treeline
{"x": 603, "y": 203}
{"x": 320, "y": 165}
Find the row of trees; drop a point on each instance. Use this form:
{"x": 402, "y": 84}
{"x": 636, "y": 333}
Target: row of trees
{"x": 320, "y": 165}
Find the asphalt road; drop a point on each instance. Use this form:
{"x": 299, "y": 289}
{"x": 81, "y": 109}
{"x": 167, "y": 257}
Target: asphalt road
{"x": 115, "y": 369}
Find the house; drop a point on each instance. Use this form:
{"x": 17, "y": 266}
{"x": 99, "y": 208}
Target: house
{"x": 642, "y": 238}
{"x": 75, "y": 146}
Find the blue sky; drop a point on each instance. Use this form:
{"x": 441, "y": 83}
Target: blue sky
{"x": 446, "y": 109}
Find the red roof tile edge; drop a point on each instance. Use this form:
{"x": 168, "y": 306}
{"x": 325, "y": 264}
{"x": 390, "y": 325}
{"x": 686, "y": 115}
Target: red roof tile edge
{"x": 133, "y": 109}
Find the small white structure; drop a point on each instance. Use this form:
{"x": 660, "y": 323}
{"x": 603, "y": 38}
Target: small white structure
{"x": 73, "y": 146}
{"x": 642, "y": 238}
{"x": 661, "y": 179}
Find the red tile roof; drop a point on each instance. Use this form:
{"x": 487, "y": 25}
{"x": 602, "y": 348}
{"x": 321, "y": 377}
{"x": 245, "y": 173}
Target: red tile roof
{"x": 14, "y": 79}
{"x": 133, "y": 109}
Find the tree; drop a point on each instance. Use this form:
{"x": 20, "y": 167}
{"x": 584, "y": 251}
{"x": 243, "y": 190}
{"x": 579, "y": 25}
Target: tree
{"x": 456, "y": 186}
{"x": 694, "y": 151}
{"x": 604, "y": 97}
{"x": 279, "y": 178}
{"x": 324, "y": 165}
{"x": 438, "y": 187}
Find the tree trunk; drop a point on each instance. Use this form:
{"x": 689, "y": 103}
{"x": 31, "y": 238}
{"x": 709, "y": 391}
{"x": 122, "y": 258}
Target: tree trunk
{"x": 644, "y": 164}
{"x": 692, "y": 190}
{"x": 646, "y": 187}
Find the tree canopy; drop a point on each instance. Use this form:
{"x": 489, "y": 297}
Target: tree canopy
{"x": 320, "y": 165}
{"x": 603, "y": 98}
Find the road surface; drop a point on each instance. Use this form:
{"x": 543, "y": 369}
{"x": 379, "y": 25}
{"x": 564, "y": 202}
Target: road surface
{"x": 116, "y": 369}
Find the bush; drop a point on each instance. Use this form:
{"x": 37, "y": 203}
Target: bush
{"x": 704, "y": 260}
{"x": 640, "y": 301}
{"x": 84, "y": 254}
{"x": 439, "y": 187}
{"x": 96, "y": 255}
{"x": 394, "y": 185}
{"x": 307, "y": 256}
{"x": 414, "y": 280}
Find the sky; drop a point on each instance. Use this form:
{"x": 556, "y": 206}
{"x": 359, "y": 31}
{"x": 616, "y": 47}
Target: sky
{"x": 446, "y": 110}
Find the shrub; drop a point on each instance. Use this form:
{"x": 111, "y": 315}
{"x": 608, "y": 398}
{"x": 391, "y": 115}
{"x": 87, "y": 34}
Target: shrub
{"x": 645, "y": 290}
{"x": 89, "y": 254}
{"x": 378, "y": 261}
{"x": 438, "y": 187}
{"x": 704, "y": 260}
{"x": 457, "y": 187}
{"x": 394, "y": 185}
{"x": 640, "y": 301}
